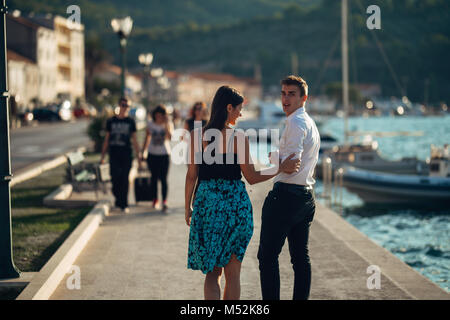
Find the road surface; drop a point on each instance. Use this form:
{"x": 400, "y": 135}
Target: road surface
{"x": 45, "y": 141}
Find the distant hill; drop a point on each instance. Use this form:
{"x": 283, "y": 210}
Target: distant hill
{"x": 233, "y": 36}
{"x": 96, "y": 14}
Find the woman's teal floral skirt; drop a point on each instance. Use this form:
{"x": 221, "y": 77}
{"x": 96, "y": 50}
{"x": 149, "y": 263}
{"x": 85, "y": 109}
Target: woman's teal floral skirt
{"x": 221, "y": 224}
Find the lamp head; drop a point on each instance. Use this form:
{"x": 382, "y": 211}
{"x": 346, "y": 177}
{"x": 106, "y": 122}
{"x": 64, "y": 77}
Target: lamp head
{"x": 122, "y": 26}
{"x": 146, "y": 58}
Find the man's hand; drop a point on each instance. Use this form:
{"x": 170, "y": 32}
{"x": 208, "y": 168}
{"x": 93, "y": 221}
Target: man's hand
{"x": 290, "y": 165}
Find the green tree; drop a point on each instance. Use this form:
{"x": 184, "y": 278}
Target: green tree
{"x": 95, "y": 59}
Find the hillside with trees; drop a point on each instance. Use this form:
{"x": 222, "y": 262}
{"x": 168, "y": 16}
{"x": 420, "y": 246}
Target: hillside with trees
{"x": 235, "y": 37}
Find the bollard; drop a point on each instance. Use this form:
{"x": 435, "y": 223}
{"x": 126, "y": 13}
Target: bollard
{"x": 327, "y": 179}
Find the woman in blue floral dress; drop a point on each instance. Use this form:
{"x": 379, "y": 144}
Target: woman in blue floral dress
{"x": 221, "y": 218}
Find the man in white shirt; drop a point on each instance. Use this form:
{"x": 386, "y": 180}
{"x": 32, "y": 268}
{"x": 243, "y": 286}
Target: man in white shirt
{"x": 289, "y": 208}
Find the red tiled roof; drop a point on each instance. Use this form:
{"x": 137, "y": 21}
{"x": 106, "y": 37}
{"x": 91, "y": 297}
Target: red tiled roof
{"x": 118, "y": 71}
{"x": 12, "y": 55}
{"x": 113, "y": 68}
{"x": 171, "y": 74}
{"x": 215, "y": 76}
{"x": 24, "y": 21}
{"x": 223, "y": 77}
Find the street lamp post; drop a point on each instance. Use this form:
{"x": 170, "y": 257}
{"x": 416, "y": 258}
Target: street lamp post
{"x": 123, "y": 28}
{"x": 157, "y": 73}
{"x": 145, "y": 59}
{"x": 7, "y": 268}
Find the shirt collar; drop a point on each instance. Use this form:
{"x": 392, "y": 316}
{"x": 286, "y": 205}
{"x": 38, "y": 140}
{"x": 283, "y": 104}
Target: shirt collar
{"x": 296, "y": 112}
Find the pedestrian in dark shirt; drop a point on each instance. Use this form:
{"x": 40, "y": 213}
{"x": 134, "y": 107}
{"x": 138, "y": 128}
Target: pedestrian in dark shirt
{"x": 198, "y": 117}
{"x": 197, "y": 113}
{"x": 120, "y": 132}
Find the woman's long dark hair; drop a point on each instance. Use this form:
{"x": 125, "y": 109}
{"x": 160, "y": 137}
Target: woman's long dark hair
{"x": 200, "y": 104}
{"x": 159, "y": 108}
{"x": 225, "y": 95}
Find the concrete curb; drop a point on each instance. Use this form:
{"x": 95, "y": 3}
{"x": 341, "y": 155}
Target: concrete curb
{"x": 45, "y": 282}
{"x": 62, "y": 193}
{"x": 48, "y": 278}
{"x": 409, "y": 280}
{"x": 45, "y": 166}
{"x": 60, "y": 199}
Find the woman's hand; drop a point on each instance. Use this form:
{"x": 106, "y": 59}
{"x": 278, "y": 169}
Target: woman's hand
{"x": 167, "y": 127}
{"x": 187, "y": 216}
{"x": 290, "y": 165}
{"x": 166, "y": 121}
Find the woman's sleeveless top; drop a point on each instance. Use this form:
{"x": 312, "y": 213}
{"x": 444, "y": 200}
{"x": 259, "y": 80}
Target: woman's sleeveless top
{"x": 224, "y": 170}
{"x": 191, "y": 124}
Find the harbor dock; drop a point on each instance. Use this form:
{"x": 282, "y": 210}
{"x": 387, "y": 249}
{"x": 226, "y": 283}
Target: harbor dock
{"x": 143, "y": 255}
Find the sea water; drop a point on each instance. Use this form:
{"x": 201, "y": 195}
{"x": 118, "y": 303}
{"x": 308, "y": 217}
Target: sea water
{"x": 419, "y": 237}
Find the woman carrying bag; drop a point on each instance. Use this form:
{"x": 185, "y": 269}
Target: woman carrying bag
{"x": 157, "y": 143}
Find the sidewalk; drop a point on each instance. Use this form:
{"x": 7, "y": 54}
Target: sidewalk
{"x": 143, "y": 255}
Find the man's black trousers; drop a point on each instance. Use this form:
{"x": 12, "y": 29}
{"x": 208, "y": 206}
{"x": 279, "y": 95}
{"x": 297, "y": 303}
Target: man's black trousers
{"x": 287, "y": 212}
{"x": 120, "y": 170}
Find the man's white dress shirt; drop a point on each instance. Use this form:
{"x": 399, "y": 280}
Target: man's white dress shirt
{"x": 301, "y": 137}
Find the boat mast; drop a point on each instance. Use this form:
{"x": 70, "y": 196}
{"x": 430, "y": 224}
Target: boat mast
{"x": 345, "y": 94}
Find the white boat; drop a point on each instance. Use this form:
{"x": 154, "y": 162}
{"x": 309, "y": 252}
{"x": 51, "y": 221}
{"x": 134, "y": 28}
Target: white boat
{"x": 270, "y": 115}
{"x": 367, "y": 156}
{"x": 267, "y": 115}
{"x": 381, "y": 187}
{"x": 327, "y": 142}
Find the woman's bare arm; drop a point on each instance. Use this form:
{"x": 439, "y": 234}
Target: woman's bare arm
{"x": 136, "y": 147}
{"x": 253, "y": 176}
{"x": 191, "y": 179}
{"x": 147, "y": 139}
{"x": 186, "y": 127}
{"x": 169, "y": 130}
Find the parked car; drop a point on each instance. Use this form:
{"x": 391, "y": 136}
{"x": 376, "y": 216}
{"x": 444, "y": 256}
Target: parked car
{"x": 84, "y": 111}
{"x": 80, "y": 113}
{"x": 54, "y": 112}
{"x": 26, "y": 117}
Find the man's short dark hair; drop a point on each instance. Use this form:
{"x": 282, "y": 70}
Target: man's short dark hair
{"x": 124, "y": 99}
{"x": 297, "y": 81}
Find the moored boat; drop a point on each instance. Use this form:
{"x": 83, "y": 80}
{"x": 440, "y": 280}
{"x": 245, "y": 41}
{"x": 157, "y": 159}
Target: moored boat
{"x": 366, "y": 156}
{"x": 382, "y": 187}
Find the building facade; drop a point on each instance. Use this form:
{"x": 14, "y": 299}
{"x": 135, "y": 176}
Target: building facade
{"x": 56, "y": 46}
{"x": 192, "y": 87}
{"x": 111, "y": 73}
{"x": 36, "y": 43}
{"x": 184, "y": 89}
{"x": 23, "y": 80}
{"x": 70, "y": 58}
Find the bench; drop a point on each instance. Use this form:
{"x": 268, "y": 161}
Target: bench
{"x": 86, "y": 176}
